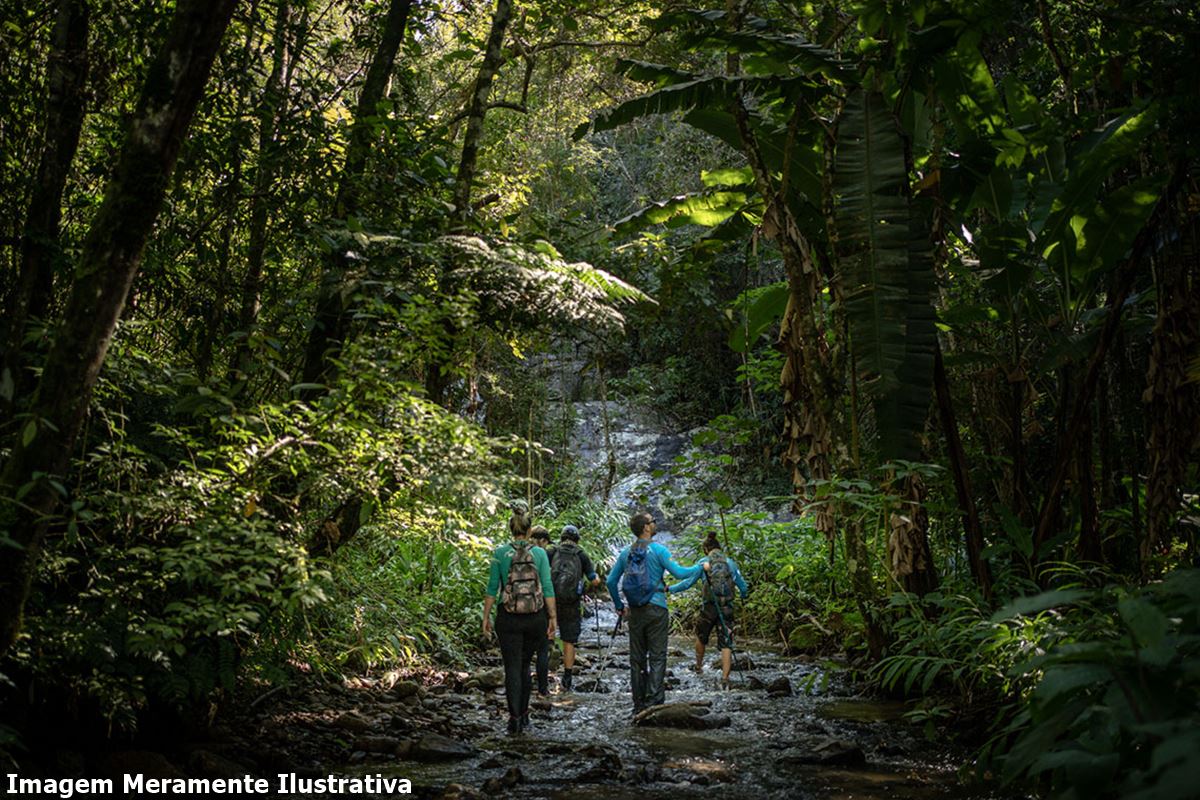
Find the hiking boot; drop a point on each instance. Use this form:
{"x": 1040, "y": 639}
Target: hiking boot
{"x": 514, "y": 726}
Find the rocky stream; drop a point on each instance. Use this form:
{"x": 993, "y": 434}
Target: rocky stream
{"x": 789, "y": 727}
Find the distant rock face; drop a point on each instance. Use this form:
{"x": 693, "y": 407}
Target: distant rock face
{"x": 643, "y": 444}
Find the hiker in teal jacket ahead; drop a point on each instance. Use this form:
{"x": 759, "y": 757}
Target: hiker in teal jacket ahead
{"x": 519, "y": 575}
{"x": 717, "y": 611}
{"x": 649, "y": 623}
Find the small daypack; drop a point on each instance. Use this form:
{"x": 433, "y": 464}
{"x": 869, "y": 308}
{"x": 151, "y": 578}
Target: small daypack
{"x": 718, "y": 588}
{"x": 636, "y": 582}
{"x": 566, "y": 572}
{"x": 523, "y": 588}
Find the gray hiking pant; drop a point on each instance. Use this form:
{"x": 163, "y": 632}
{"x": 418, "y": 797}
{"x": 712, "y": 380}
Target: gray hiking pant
{"x": 648, "y": 629}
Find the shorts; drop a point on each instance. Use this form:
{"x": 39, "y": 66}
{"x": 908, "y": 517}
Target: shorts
{"x": 709, "y": 620}
{"x": 570, "y": 622}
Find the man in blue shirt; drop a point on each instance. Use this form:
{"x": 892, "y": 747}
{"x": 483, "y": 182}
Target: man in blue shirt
{"x": 649, "y": 622}
{"x": 717, "y": 610}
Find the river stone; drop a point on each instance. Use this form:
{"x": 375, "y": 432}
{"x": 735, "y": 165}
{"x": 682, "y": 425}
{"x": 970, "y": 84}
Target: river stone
{"x": 596, "y": 750}
{"x": 405, "y": 689}
{"x": 755, "y": 682}
{"x": 681, "y": 715}
{"x": 831, "y": 752}
{"x": 435, "y": 747}
{"x": 456, "y": 791}
{"x": 488, "y": 679}
{"x": 780, "y": 687}
{"x": 491, "y": 762}
{"x": 355, "y": 723}
{"x": 606, "y": 768}
{"x": 376, "y": 744}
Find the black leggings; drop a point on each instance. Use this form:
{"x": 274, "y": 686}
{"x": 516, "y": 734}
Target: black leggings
{"x": 520, "y": 637}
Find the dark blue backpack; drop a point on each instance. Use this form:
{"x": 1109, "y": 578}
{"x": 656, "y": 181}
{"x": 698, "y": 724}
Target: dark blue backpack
{"x": 636, "y": 583}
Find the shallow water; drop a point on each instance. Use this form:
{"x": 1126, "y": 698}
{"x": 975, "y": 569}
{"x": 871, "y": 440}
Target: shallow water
{"x": 569, "y": 750}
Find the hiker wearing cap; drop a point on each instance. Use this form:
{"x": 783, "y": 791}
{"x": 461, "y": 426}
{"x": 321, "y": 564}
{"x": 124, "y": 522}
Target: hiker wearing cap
{"x": 569, "y": 565}
{"x": 541, "y": 538}
{"x": 717, "y": 611}
{"x": 520, "y": 575}
{"x": 638, "y": 573}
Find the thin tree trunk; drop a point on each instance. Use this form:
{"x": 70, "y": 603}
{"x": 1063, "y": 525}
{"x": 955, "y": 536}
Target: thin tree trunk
{"x": 66, "y": 105}
{"x": 107, "y": 265}
{"x": 1081, "y": 408}
{"x": 261, "y": 200}
{"x": 493, "y": 57}
{"x": 911, "y": 560}
{"x": 962, "y": 479}
{"x": 333, "y": 312}
{"x": 1171, "y": 399}
{"x": 1089, "y": 547}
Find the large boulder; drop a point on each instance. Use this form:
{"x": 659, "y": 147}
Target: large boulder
{"x": 689, "y": 716}
{"x": 435, "y": 747}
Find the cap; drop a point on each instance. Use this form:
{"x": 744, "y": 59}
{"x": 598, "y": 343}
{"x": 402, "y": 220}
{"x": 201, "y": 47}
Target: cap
{"x": 570, "y": 532}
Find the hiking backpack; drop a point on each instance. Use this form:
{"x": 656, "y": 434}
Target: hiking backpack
{"x": 636, "y": 583}
{"x": 566, "y": 572}
{"x": 719, "y": 583}
{"x": 523, "y": 588}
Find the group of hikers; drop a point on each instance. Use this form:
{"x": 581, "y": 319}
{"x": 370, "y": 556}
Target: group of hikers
{"x": 540, "y": 589}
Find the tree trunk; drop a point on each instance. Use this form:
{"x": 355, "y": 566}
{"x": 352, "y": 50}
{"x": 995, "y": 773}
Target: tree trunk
{"x": 1172, "y": 401}
{"x": 1089, "y": 547}
{"x": 66, "y": 104}
{"x": 333, "y": 312}
{"x": 911, "y": 560}
{"x": 261, "y": 200}
{"x": 107, "y": 264}
{"x": 962, "y": 479}
{"x": 1082, "y": 401}
{"x": 477, "y": 111}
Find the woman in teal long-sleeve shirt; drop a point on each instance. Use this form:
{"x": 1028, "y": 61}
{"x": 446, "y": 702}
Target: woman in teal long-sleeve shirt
{"x": 526, "y": 616}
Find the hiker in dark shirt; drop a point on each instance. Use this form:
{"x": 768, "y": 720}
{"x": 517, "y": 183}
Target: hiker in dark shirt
{"x": 569, "y": 567}
{"x": 722, "y": 578}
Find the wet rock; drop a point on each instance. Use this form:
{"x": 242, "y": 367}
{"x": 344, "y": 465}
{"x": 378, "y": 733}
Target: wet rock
{"x": 358, "y": 757}
{"x": 404, "y": 749}
{"x": 489, "y": 679}
{"x": 648, "y": 773}
{"x": 700, "y": 780}
{"x": 355, "y": 723}
{"x": 491, "y": 763}
{"x": 688, "y": 716}
{"x": 492, "y": 786}
{"x": 206, "y": 764}
{"x": 596, "y": 750}
{"x": 780, "y": 687}
{"x": 376, "y": 744}
{"x": 831, "y": 752}
{"x": 540, "y": 704}
{"x": 606, "y": 768}
{"x": 404, "y": 689}
{"x": 756, "y": 683}
{"x": 435, "y": 747}
{"x": 431, "y": 704}
{"x": 456, "y": 791}
{"x": 513, "y": 777}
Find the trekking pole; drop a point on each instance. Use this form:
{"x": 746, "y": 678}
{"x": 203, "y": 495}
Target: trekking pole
{"x": 611, "y": 645}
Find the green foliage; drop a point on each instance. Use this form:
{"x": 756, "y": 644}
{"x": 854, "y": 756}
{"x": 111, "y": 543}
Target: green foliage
{"x": 1113, "y": 706}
